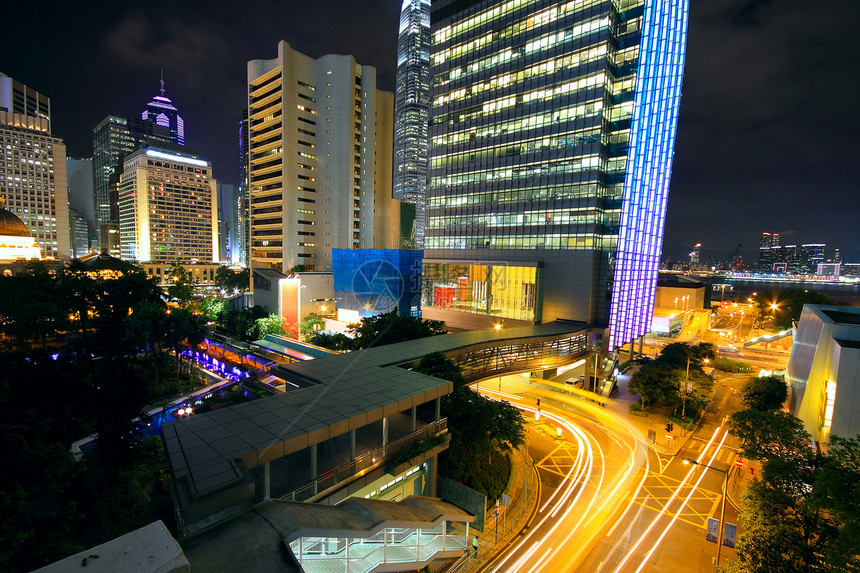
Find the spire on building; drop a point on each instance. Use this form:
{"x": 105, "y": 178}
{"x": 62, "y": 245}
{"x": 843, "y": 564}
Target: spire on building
{"x": 162, "y": 82}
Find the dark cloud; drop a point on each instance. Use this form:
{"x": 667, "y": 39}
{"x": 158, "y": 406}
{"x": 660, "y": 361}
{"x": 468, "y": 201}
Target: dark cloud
{"x": 766, "y": 137}
{"x": 762, "y": 136}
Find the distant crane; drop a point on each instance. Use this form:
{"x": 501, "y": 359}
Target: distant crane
{"x": 733, "y": 254}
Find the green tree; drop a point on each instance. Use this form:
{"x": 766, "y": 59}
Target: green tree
{"x": 438, "y": 365}
{"x": 390, "y": 327}
{"x": 482, "y": 430}
{"x": 770, "y": 435}
{"x": 789, "y": 304}
{"x": 331, "y": 340}
{"x": 764, "y": 393}
{"x": 181, "y": 285}
{"x": 272, "y": 324}
{"x": 656, "y": 383}
{"x": 311, "y": 323}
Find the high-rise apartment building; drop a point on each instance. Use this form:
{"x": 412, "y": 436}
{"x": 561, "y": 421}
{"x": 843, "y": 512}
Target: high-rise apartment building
{"x": 16, "y": 97}
{"x": 552, "y": 129}
{"x": 161, "y": 111}
{"x": 411, "y": 110}
{"x": 33, "y": 180}
{"x": 769, "y": 252}
{"x": 167, "y": 208}
{"x": 320, "y": 145}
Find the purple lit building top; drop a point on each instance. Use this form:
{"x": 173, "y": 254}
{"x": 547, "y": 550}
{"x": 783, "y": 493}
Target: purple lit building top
{"x": 161, "y": 111}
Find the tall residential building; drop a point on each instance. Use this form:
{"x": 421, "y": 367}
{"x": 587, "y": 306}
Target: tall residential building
{"x": 167, "y": 208}
{"x": 33, "y": 180}
{"x": 552, "y": 128}
{"x": 16, "y": 97}
{"x": 411, "y": 110}
{"x": 161, "y": 111}
{"x": 320, "y": 145}
{"x": 114, "y": 138}
{"x": 243, "y": 231}
{"x": 768, "y": 251}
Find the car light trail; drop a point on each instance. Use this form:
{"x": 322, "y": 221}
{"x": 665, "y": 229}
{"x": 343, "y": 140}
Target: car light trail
{"x": 662, "y": 512}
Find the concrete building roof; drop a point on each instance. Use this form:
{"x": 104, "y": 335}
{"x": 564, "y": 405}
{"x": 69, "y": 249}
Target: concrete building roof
{"x": 841, "y": 314}
{"x": 145, "y": 550}
{"x": 254, "y": 541}
{"x": 340, "y": 393}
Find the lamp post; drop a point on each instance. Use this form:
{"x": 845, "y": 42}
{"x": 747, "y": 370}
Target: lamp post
{"x": 676, "y": 303}
{"x": 722, "y": 511}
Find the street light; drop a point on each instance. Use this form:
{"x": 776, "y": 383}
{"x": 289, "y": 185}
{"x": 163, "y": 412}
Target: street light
{"x": 722, "y": 511}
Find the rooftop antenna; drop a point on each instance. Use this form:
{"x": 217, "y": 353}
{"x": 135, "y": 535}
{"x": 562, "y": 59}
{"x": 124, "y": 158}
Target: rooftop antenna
{"x": 162, "y": 82}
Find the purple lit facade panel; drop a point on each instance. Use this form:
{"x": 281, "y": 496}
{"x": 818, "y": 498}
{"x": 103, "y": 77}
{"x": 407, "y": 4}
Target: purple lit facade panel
{"x": 648, "y": 171}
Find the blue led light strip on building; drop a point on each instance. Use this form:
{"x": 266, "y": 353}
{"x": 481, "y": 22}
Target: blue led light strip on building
{"x": 649, "y": 167}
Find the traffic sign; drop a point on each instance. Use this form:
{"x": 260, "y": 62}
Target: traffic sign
{"x": 739, "y": 462}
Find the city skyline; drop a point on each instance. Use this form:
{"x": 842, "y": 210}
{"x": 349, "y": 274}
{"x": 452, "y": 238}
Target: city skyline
{"x": 753, "y": 142}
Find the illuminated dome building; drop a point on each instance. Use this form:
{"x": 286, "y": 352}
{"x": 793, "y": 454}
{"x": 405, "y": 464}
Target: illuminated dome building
{"x": 15, "y": 239}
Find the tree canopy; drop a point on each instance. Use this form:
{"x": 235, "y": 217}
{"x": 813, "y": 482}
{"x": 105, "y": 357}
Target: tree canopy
{"x": 789, "y": 304}
{"x": 662, "y": 379}
{"x": 764, "y": 393}
{"x": 802, "y": 513}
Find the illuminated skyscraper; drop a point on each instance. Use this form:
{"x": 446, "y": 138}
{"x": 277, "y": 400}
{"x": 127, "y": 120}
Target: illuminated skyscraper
{"x": 552, "y": 129}
{"x": 33, "y": 181}
{"x": 114, "y": 138}
{"x": 167, "y": 208}
{"x": 161, "y": 111}
{"x": 411, "y": 108}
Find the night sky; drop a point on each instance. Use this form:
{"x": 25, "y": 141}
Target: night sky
{"x": 767, "y": 137}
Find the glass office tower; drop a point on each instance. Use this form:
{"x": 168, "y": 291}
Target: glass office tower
{"x": 411, "y": 108}
{"x": 552, "y": 130}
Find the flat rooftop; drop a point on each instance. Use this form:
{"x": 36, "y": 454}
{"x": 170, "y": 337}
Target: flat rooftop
{"x": 841, "y": 314}
{"x": 340, "y": 393}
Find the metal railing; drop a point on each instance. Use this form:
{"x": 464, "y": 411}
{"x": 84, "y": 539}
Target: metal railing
{"x": 362, "y": 464}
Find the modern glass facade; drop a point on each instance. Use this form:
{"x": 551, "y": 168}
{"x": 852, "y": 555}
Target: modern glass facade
{"x": 411, "y": 108}
{"x": 551, "y": 134}
{"x": 500, "y": 291}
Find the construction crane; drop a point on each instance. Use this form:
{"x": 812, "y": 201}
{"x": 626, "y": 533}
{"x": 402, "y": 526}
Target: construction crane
{"x": 733, "y": 253}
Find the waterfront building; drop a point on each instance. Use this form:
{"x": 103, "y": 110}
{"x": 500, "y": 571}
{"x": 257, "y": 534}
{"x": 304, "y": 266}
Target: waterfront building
{"x": 167, "y": 208}
{"x": 161, "y": 111}
{"x": 411, "y": 109}
{"x": 767, "y": 252}
{"x": 811, "y": 255}
{"x": 16, "y": 97}
{"x": 320, "y": 145}
{"x": 552, "y": 128}
{"x": 33, "y": 181}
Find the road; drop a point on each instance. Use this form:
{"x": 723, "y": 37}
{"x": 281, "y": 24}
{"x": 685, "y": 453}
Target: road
{"x": 608, "y": 500}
